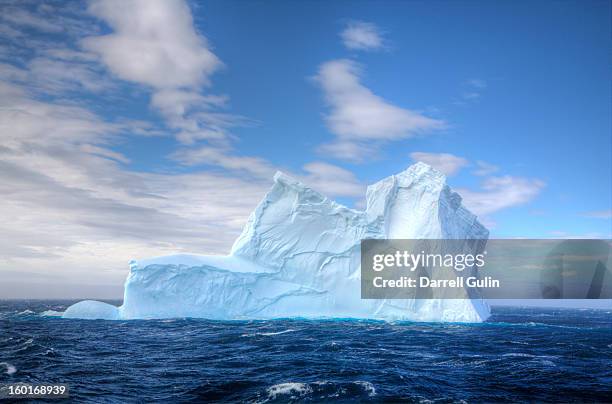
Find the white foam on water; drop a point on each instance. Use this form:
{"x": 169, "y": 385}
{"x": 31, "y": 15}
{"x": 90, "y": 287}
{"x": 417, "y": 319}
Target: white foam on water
{"x": 368, "y": 387}
{"x": 519, "y": 343}
{"x": 267, "y": 334}
{"x": 519, "y": 355}
{"x": 10, "y": 369}
{"x": 288, "y": 389}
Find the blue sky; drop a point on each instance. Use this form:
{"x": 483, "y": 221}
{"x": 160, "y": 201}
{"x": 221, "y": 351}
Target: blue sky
{"x": 143, "y": 128}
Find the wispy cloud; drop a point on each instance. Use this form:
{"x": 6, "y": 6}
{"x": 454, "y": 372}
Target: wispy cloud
{"x": 332, "y": 180}
{"x": 446, "y": 163}
{"x": 599, "y": 214}
{"x": 500, "y": 193}
{"x": 68, "y": 196}
{"x": 45, "y": 75}
{"x": 326, "y": 178}
{"x": 22, "y": 18}
{"x": 565, "y": 235}
{"x": 54, "y": 19}
{"x": 495, "y": 194}
{"x": 477, "y": 83}
{"x": 196, "y": 117}
{"x": 56, "y": 75}
{"x": 472, "y": 91}
{"x": 483, "y": 168}
{"x": 360, "y": 119}
{"x": 360, "y": 35}
{"x": 71, "y": 199}
{"x": 68, "y": 200}
{"x": 206, "y": 155}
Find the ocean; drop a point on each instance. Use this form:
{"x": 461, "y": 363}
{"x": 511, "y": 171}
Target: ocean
{"x": 519, "y": 354}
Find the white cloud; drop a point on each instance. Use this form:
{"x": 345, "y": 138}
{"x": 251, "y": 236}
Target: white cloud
{"x": 57, "y": 75}
{"x": 360, "y": 118}
{"x": 446, "y": 163}
{"x": 500, "y": 193}
{"x": 497, "y": 193}
{"x": 359, "y": 113}
{"x": 350, "y": 150}
{"x": 359, "y": 35}
{"x": 56, "y": 20}
{"x": 332, "y": 180}
{"x": 485, "y": 168}
{"x": 253, "y": 166}
{"x": 50, "y": 75}
{"x": 73, "y": 211}
{"x": 25, "y": 121}
{"x": 21, "y": 17}
{"x": 196, "y": 117}
{"x": 154, "y": 43}
{"x": 67, "y": 54}
{"x": 44, "y": 63}
{"x": 68, "y": 201}
{"x": 599, "y": 214}
{"x": 173, "y": 103}
{"x": 326, "y": 178}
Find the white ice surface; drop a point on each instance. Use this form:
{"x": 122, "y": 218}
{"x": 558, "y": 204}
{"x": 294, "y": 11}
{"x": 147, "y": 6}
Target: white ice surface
{"x": 299, "y": 256}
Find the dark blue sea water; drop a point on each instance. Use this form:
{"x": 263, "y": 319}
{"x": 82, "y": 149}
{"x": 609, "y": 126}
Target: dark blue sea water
{"x": 523, "y": 354}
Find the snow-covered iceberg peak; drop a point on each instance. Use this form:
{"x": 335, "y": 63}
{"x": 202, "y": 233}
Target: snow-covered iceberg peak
{"x": 299, "y": 256}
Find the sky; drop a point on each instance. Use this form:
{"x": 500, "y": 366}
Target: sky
{"x": 132, "y": 129}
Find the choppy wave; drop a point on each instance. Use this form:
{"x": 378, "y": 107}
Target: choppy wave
{"x": 51, "y": 313}
{"x": 291, "y": 390}
{"x": 268, "y": 334}
{"x": 520, "y": 355}
{"x": 318, "y": 391}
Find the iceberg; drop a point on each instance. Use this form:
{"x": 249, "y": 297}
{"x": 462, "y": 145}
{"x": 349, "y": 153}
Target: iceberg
{"x": 91, "y": 310}
{"x": 299, "y": 256}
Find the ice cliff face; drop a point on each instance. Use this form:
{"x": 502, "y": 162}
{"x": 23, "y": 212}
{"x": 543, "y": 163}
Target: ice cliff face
{"x": 299, "y": 256}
